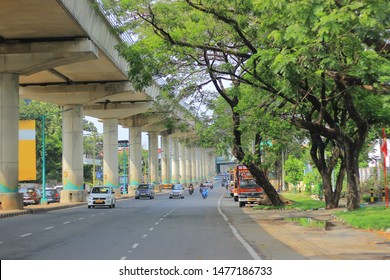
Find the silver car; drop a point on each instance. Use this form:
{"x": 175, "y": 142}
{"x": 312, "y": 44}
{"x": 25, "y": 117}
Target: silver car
{"x": 144, "y": 190}
{"x": 177, "y": 191}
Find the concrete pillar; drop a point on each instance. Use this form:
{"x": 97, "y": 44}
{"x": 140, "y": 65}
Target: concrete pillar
{"x": 165, "y": 159}
{"x": 197, "y": 156}
{"x": 153, "y": 157}
{"x": 182, "y": 163}
{"x": 175, "y": 161}
{"x": 72, "y": 154}
{"x": 135, "y": 162}
{"x": 9, "y": 135}
{"x": 193, "y": 165}
{"x": 204, "y": 161}
{"x": 110, "y": 155}
{"x": 188, "y": 165}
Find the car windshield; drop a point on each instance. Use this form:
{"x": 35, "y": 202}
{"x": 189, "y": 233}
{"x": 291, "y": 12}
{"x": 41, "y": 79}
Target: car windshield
{"x": 101, "y": 190}
{"x": 248, "y": 184}
{"x": 177, "y": 187}
{"x": 143, "y": 187}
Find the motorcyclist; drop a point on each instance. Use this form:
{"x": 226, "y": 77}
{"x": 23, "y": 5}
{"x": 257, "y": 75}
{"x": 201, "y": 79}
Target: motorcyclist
{"x": 191, "y": 188}
{"x": 204, "y": 190}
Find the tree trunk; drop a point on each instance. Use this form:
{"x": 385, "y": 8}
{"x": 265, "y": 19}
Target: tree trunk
{"x": 328, "y": 192}
{"x": 352, "y": 169}
{"x": 262, "y": 180}
{"x": 259, "y": 174}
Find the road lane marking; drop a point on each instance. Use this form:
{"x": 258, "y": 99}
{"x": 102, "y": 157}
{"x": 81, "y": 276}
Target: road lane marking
{"x": 123, "y": 258}
{"x": 66, "y": 222}
{"x": 27, "y": 234}
{"x": 161, "y": 219}
{"x": 135, "y": 245}
{"x": 156, "y": 223}
{"x": 144, "y": 236}
{"x": 250, "y": 250}
{"x": 49, "y": 228}
{"x": 93, "y": 216}
{"x": 151, "y": 229}
{"x": 81, "y": 219}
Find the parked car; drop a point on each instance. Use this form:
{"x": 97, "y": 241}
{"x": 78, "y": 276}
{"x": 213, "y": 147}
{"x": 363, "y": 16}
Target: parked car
{"x": 30, "y": 195}
{"x": 52, "y": 195}
{"x": 101, "y": 196}
{"x": 144, "y": 190}
{"x": 177, "y": 191}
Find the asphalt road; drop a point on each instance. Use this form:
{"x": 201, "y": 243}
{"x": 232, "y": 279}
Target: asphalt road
{"x": 162, "y": 228}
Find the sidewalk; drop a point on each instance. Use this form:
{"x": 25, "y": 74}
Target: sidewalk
{"x": 333, "y": 240}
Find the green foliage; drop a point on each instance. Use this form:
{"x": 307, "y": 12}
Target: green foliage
{"x": 294, "y": 170}
{"x": 321, "y": 65}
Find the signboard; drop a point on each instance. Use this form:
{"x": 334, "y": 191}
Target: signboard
{"x": 27, "y": 151}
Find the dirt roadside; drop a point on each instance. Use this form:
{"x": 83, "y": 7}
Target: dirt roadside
{"x": 334, "y": 240}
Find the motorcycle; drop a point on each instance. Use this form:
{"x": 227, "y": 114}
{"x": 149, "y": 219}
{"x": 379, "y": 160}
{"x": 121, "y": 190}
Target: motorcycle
{"x": 205, "y": 192}
{"x": 191, "y": 191}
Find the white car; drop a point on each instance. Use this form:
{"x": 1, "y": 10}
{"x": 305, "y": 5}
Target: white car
{"x": 177, "y": 191}
{"x": 101, "y": 196}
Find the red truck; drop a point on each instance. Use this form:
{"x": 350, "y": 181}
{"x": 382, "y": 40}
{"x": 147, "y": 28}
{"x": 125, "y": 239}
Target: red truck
{"x": 246, "y": 191}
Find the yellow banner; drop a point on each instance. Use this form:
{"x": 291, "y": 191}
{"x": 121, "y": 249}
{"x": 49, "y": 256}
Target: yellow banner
{"x": 27, "y": 151}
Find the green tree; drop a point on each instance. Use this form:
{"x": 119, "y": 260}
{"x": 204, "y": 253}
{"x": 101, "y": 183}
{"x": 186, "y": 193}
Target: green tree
{"x": 294, "y": 170}
{"x": 325, "y": 62}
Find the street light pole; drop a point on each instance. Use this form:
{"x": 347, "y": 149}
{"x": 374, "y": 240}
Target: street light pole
{"x": 43, "y": 199}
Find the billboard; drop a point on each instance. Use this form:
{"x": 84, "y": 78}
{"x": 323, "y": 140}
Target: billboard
{"x": 27, "y": 151}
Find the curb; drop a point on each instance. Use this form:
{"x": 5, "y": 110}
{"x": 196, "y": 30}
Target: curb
{"x": 37, "y": 210}
{"x": 51, "y": 207}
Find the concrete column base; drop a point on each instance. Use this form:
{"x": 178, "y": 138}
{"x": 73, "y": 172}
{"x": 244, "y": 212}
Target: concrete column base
{"x": 11, "y": 201}
{"x": 73, "y": 196}
{"x": 117, "y": 193}
{"x": 132, "y": 190}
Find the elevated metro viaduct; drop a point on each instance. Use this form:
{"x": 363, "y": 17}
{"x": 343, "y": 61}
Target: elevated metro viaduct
{"x": 63, "y": 52}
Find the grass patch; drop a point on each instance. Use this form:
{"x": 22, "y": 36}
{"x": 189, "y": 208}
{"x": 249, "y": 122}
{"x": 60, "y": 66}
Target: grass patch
{"x": 303, "y": 202}
{"x": 296, "y": 201}
{"x": 377, "y": 217}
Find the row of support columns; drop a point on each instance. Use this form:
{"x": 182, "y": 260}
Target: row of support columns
{"x": 178, "y": 163}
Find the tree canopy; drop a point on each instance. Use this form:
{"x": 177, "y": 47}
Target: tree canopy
{"x": 322, "y": 66}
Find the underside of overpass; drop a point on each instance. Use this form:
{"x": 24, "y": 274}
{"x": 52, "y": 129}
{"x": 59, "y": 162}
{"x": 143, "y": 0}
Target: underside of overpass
{"x": 63, "y": 52}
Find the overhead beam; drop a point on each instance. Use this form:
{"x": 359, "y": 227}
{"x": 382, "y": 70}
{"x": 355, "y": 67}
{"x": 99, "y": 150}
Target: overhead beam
{"x": 29, "y": 58}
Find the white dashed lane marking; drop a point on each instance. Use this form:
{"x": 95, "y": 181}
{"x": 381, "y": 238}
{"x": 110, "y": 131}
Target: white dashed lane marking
{"x": 135, "y": 245}
{"x": 27, "y": 234}
{"x": 66, "y": 222}
{"x": 49, "y": 228}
